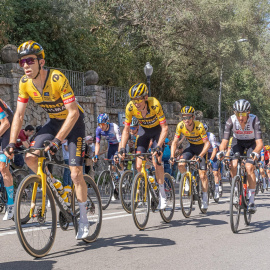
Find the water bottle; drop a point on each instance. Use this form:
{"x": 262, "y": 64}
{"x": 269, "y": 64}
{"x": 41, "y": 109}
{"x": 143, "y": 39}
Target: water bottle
{"x": 60, "y": 189}
{"x": 153, "y": 182}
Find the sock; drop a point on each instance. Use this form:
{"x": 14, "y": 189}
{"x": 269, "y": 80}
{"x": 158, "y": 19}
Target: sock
{"x": 204, "y": 196}
{"x": 10, "y": 191}
{"x": 216, "y": 187}
{"x": 251, "y": 195}
{"x": 83, "y": 212}
{"x": 264, "y": 181}
{"x": 162, "y": 191}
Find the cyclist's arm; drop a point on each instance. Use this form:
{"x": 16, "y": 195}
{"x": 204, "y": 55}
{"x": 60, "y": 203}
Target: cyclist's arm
{"x": 223, "y": 145}
{"x": 17, "y": 121}
{"x": 215, "y": 150}
{"x": 206, "y": 146}
{"x": 25, "y": 144}
{"x": 4, "y": 125}
{"x": 163, "y": 134}
{"x": 97, "y": 148}
{"x": 228, "y": 151}
{"x": 174, "y": 146}
{"x": 259, "y": 146}
{"x": 125, "y": 136}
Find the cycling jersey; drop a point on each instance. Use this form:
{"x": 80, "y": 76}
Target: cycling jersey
{"x": 213, "y": 141}
{"x": 265, "y": 153}
{"x": 154, "y": 115}
{"x": 5, "y": 111}
{"x": 55, "y": 95}
{"x": 230, "y": 142}
{"x": 251, "y": 131}
{"x": 196, "y": 136}
{"x": 112, "y": 135}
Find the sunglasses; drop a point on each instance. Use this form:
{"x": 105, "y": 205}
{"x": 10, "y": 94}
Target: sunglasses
{"x": 187, "y": 117}
{"x": 133, "y": 128}
{"x": 29, "y": 61}
{"x": 137, "y": 101}
{"x": 102, "y": 124}
{"x": 241, "y": 114}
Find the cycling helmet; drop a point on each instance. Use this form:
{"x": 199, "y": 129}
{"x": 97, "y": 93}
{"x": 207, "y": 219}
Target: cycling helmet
{"x": 267, "y": 147}
{"x": 205, "y": 127}
{"x": 241, "y": 105}
{"x": 134, "y": 122}
{"x": 103, "y": 118}
{"x": 30, "y": 47}
{"x": 138, "y": 90}
{"x": 188, "y": 110}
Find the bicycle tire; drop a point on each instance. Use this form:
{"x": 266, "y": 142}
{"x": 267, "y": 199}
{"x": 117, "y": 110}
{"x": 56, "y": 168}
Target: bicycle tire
{"x": 261, "y": 187}
{"x": 267, "y": 183}
{"x": 186, "y": 210}
{"x": 247, "y": 217}
{"x": 94, "y": 209}
{"x": 167, "y": 213}
{"x": 105, "y": 188}
{"x": 125, "y": 187}
{"x": 22, "y": 234}
{"x": 234, "y": 204}
{"x": 136, "y": 205}
{"x": 257, "y": 188}
{"x": 200, "y": 192}
{"x": 221, "y": 185}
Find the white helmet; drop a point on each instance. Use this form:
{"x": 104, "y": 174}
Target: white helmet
{"x": 241, "y": 105}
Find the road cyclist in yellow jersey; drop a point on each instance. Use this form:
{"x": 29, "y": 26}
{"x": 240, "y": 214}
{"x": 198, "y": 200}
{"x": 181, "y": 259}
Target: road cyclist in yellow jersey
{"x": 199, "y": 144}
{"x": 51, "y": 90}
{"x": 153, "y": 126}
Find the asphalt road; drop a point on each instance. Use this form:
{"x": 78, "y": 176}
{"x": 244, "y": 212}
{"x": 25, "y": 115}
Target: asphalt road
{"x": 199, "y": 242}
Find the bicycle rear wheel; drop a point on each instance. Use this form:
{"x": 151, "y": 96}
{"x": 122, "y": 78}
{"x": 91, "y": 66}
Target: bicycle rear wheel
{"x": 105, "y": 187}
{"x": 200, "y": 192}
{"x": 94, "y": 209}
{"x": 167, "y": 213}
{"x": 38, "y": 235}
{"x": 140, "y": 202}
{"x": 247, "y": 217}
{"x": 235, "y": 203}
{"x": 220, "y": 188}
{"x": 125, "y": 187}
{"x": 186, "y": 194}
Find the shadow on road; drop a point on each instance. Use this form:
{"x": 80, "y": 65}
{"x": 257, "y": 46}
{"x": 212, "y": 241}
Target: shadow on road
{"x": 29, "y": 265}
{"x": 255, "y": 227}
{"x": 124, "y": 242}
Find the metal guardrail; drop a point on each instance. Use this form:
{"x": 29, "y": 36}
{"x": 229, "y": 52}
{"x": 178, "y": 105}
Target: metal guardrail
{"x": 76, "y": 80}
{"x": 116, "y": 97}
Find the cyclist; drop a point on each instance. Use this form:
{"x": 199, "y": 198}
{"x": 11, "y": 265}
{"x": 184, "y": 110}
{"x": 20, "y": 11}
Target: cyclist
{"x": 51, "y": 90}
{"x": 199, "y": 144}
{"x": 262, "y": 159}
{"x": 153, "y": 126}
{"x": 247, "y": 134}
{"x": 6, "y": 116}
{"x": 266, "y": 158}
{"x": 212, "y": 151}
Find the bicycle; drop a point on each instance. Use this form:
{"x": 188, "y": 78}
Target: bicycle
{"x": 140, "y": 199}
{"x": 38, "y": 235}
{"x": 239, "y": 197}
{"x": 259, "y": 180}
{"x": 190, "y": 188}
{"x": 108, "y": 184}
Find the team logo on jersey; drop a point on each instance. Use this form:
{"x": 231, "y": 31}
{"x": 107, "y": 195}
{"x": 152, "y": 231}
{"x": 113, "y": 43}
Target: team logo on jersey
{"x": 68, "y": 94}
{"x": 198, "y": 127}
{"x": 130, "y": 108}
{"x": 181, "y": 126}
{"x": 154, "y": 107}
{"x": 35, "y": 94}
{"x": 46, "y": 94}
{"x": 24, "y": 79}
{"x": 56, "y": 77}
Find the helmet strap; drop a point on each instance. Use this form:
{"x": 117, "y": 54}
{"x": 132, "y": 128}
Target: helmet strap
{"x": 39, "y": 68}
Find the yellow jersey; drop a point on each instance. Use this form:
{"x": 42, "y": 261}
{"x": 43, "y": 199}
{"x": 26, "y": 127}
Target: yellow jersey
{"x": 56, "y": 93}
{"x": 230, "y": 142}
{"x": 196, "y": 136}
{"x": 154, "y": 116}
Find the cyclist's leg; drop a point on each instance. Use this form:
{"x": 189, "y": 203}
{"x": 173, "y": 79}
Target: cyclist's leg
{"x": 217, "y": 176}
{"x": 7, "y": 178}
{"x": 47, "y": 132}
{"x": 186, "y": 155}
{"x": 236, "y": 148}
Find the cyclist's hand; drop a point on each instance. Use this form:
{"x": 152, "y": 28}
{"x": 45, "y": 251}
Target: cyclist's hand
{"x": 8, "y": 151}
{"x": 116, "y": 158}
{"x": 95, "y": 158}
{"x": 255, "y": 156}
{"x": 172, "y": 160}
{"x": 156, "y": 151}
{"x": 211, "y": 161}
{"x": 198, "y": 159}
{"x": 122, "y": 153}
{"x": 54, "y": 146}
{"x": 220, "y": 155}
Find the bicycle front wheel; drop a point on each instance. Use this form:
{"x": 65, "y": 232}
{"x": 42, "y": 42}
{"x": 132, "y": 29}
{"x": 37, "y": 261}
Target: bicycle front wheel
{"x": 235, "y": 203}
{"x": 167, "y": 213}
{"x": 140, "y": 201}
{"x": 105, "y": 187}
{"x": 247, "y": 217}
{"x": 38, "y": 235}
{"x": 200, "y": 197}
{"x": 125, "y": 187}
{"x": 186, "y": 194}
{"x": 94, "y": 209}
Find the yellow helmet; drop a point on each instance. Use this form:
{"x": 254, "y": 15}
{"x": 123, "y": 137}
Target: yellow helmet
{"x": 30, "y": 47}
{"x": 138, "y": 90}
{"x": 267, "y": 147}
{"x": 188, "y": 110}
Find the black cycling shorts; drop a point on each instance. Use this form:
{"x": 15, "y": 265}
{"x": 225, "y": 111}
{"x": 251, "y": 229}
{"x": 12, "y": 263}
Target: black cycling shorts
{"x": 145, "y": 136}
{"x": 191, "y": 151}
{"x": 76, "y": 143}
{"x": 242, "y": 146}
{"x": 266, "y": 161}
{"x": 5, "y": 139}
